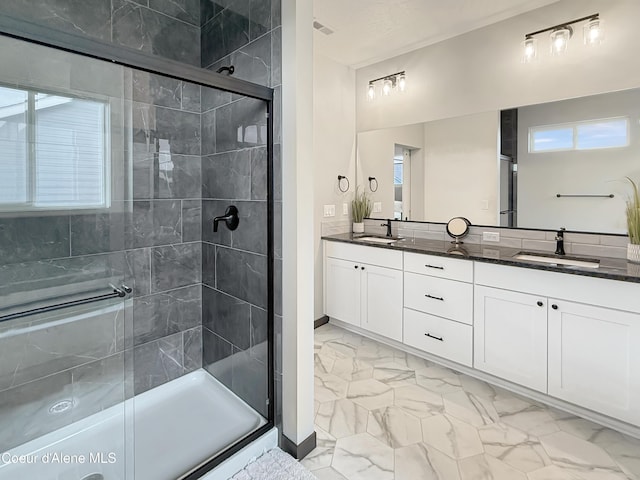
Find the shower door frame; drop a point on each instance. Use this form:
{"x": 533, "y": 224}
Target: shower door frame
{"x": 137, "y": 60}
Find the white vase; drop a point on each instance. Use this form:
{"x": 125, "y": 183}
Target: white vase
{"x": 633, "y": 252}
{"x": 358, "y": 227}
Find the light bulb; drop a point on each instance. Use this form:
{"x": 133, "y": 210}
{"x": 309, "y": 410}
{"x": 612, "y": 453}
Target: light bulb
{"x": 371, "y": 92}
{"x": 593, "y": 32}
{"x": 530, "y": 49}
{"x": 559, "y": 40}
{"x": 402, "y": 83}
{"x": 387, "y": 86}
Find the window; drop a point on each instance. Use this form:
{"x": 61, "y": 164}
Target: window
{"x": 53, "y": 152}
{"x": 587, "y": 135}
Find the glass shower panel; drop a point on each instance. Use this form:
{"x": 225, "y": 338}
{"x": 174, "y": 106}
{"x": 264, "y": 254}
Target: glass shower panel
{"x": 66, "y": 280}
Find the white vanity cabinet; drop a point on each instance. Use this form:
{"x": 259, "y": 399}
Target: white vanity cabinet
{"x": 594, "y": 358}
{"x": 438, "y": 301}
{"x": 363, "y": 287}
{"x": 510, "y": 336}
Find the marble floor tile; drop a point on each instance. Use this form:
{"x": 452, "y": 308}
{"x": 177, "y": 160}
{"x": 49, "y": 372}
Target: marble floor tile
{"x": 342, "y": 418}
{"x": 362, "y": 457}
{"x": 523, "y": 452}
{"x": 382, "y": 413}
{"x": 421, "y": 462}
{"x": 371, "y": 394}
{"x": 485, "y": 467}
{"x": 451, "y": 436}
{"x": 470, "y": 408}
{"x": 394, "y": 427}
{"x": 418, "y": 401}
{"x": 328, "y": 387}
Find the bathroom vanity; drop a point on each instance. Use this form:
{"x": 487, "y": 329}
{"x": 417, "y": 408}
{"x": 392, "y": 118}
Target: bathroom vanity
{"x": 565, "y": 335}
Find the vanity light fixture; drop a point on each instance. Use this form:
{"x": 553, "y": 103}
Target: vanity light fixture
{"x": 560, "y": 34}
{"x": 387, "y": 85}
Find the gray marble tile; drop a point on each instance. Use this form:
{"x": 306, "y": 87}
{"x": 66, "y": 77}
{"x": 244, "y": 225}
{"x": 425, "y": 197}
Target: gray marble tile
{"x": 209, "y": 264}
{"x": 208, "y": 131}
{"x": 138, "y": 271}
{"x": 259, "y": 167}
{"x": 251, "y": 234}
{"x": 227, "y": 316}
{"x": 227, "y": 175}
{"x": 89, "y": 18}
{"x": 216, "y": 356}
{"x": 276, "y": 13}
{"x": 156, "y": 222}
{"x": 33, "y": 238}
{"x": 249, "y": 380}
{"x": 180, "y": 129}
{"x": 156, "y": 89}
{"x": 242, "y": 275}
{"x": 276, "y": 57}
{"x": 213, "y": 98}
{"x": 24, "y": 411}
{"x": 260, "y": 18}
{"x": 277, "y": 172}
{"x": 277, "y": 286}
{"x": 277, "y": 230}
{"x": 277, "y": 115}
{"x": 135, "y": 26}
{"x": 157, "y": 362}
{"x": 191, "y": 97}
{"x": 226, "y": 32}
{"x": 208, "y": 10}
{"x": 191, "y": 220}
{"x": 210, "y": 210}
{"x": 252, "y": 61}
{"x": 259, "y": 324}
{"x": 98, "y": 385}
{"x": 156, "y": 316}
{"x": 97, "y": 233}
{"x": 57, "y": 341}
{"x": 192, "y": 346}
{"x": 176, "y": 266}
{"x": 185, "y": 10}
{"x": 277, "y": 326}
{"x": 241, "y": 124}
{"x": 175, "y": 176}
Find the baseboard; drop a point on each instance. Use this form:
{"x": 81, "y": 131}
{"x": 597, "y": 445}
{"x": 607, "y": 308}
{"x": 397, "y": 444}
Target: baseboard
{"x": 301, "y": 450}
{"x": 321, "y": 321}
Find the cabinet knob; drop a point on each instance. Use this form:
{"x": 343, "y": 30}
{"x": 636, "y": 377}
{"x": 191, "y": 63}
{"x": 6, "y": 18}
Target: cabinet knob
{"x": 540, "y": 303}
{"x": 361, "y": 268}
{"x": 355, "y": 266}
{"x": 554, "y": 306}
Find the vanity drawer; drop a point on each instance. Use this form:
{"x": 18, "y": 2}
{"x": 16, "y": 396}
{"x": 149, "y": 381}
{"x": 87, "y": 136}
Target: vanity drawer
{"x": 438, "y": 296}
{"x": 381, "y": 257}
{"x": 436, "y": 266}
{"x": 441, "y": 337}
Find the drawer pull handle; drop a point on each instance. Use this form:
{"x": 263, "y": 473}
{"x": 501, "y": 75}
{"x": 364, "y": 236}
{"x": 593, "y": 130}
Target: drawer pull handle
{"x": 440, "y": 339}
{"x": 433, "y": 266}
{"x": 435, "y": 298}
{"x": 540, "y": 304}
{"x": 554, "y": 306}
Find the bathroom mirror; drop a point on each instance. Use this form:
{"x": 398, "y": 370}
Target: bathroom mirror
{"x": 540, "y": 166}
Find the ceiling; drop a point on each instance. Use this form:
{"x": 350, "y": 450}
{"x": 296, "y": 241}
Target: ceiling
{"x": 368, "y": 31}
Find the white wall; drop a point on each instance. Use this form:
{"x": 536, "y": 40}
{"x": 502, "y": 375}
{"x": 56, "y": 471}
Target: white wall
{"x": 376, "y": 150}
{"x": 482, "y": 71}
{"x": 542, "y": 175}
{"x": 462, "y": 169}
{"x": 334, "y": 120}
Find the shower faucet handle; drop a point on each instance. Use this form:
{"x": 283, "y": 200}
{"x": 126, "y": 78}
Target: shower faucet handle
{"x": 230, "y": 218}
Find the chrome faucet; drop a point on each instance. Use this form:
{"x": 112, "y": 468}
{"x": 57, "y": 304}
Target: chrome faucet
{"x": 388, "y": 225}
{"x": 560, "y": 241}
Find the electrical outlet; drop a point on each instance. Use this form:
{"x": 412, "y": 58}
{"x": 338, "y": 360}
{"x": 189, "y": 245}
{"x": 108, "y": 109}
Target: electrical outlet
{"x": 329, "y": 210}
{"x": 377, "y": 207}
{"x": 345, "y": 209}
{"x": 490, "y": 236}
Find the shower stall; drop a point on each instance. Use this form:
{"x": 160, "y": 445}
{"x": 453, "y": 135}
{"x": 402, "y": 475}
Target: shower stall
{"x": 135, "y": 341}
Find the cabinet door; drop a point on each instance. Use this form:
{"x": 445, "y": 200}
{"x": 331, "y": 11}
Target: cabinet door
{"x": 510, "y": 336}
{"x": 342, "y": 295}
{"x": 382, "y": 301}
{"x": 594, "y": 358}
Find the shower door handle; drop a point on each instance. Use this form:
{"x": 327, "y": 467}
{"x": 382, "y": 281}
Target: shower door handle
{"x": 230, "y": 217}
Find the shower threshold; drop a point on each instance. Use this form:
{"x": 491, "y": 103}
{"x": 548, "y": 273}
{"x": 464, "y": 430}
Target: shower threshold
{"x": 157, "y": 435}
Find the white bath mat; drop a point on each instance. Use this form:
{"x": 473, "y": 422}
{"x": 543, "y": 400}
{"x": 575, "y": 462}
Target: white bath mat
{"x": 274, "y": 465}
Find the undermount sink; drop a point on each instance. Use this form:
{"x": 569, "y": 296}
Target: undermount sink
{"x": 557, "y": 261}
{"x": 384, "y": 240}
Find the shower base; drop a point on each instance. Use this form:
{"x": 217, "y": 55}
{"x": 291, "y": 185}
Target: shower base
{"x": 157, "y": 435}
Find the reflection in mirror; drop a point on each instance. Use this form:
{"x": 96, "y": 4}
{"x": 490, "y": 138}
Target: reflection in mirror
{"x": 546, "y": 166}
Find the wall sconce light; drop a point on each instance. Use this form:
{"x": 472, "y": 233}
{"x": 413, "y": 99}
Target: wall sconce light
{"x": 387, "y": 85}
{"x": 560, "y": 35}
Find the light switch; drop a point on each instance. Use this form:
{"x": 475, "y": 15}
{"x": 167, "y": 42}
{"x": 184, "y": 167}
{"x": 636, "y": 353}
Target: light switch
{"x": 377, "y": 207}
{"x": 345, "y": 209}
{"x": 329, "y": 210}
{"x": 490, "y": 236}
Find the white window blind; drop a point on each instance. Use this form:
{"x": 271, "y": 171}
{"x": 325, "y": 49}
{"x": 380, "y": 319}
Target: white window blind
{"x": 57, "y": 152}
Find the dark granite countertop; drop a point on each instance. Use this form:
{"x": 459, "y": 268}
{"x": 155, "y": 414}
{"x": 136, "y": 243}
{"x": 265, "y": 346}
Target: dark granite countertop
{"x": 610, "y": 268}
